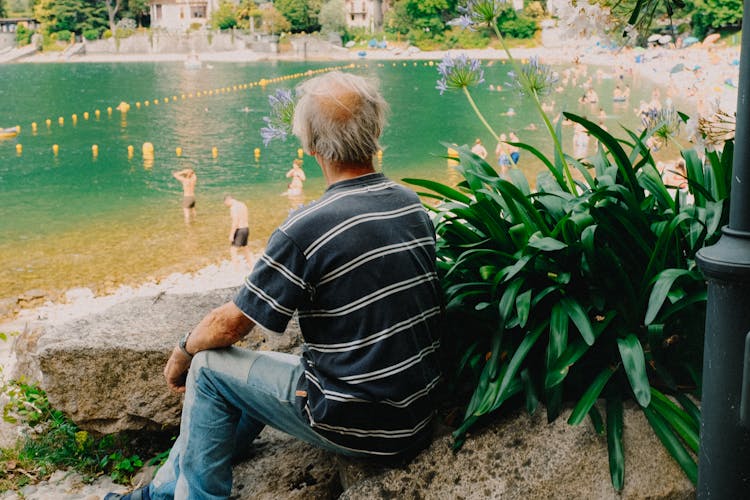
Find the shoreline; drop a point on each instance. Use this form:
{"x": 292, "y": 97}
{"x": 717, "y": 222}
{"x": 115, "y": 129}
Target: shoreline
{"x": 711, "y": 68}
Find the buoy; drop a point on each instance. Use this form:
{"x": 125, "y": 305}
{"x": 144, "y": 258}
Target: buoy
{"x": 156, "y": 101}
{"x": 146, "y": 103}
{"x": 138, "y": 104}
{"x": 95, "y": 150}
{"x": 74, "y": 117}
{"x": 19, "y": 149}
{"x": 148, "y": 150}
{"x": 123, "y": 107}
{"x": 85, "y": 115}
{"x": 61, "y": 121}
{"x": 48, "y": 122}
{"x": 174, "y": 97}
{"x": 130, "y": 152}
{"x": 178, "y": 151}
{"x": 33, "y": 127}
{"x": 214, "y": 151}
{"x": 300, "y": 152}
{"x": 109, "y": 110}
{"x": 256, "y": 152}
{"x": 97, "y": 113}
{"x": 55, "y": 149}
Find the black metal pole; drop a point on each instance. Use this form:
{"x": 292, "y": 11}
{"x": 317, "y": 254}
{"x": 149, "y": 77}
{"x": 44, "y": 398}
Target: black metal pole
{"x": 724, "y": 458}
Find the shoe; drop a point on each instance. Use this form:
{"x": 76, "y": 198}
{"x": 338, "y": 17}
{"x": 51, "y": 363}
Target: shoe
{"x": 139, "y": 494}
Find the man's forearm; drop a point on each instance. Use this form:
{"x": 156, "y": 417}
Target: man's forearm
{"x": 222, "y": 327}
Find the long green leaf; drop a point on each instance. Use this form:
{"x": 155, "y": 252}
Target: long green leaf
{"x": 677, "y": 418}
{"x": 634, "y": 363}
{"x": 672, "y": 444}
{"x": 614, "y": 442}
{"x": 579, "y": 317}
{"x": 442, "y": 189}
{"x": 589, "y": 397}
{"x": 662, "y": 286}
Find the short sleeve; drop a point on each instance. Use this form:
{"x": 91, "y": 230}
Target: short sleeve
{"x": 274, "y": 289}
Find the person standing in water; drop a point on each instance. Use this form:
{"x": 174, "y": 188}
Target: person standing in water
{"x": 298, "y": 177}
{"x": 239, "y": 230}
{"x": 188, "y": 180}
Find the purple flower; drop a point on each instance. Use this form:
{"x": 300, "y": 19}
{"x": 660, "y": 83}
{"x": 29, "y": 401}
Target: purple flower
{"x": 458, "y": 73}
{"x": 279, "y": 122}
{"x": 536, "y": 78}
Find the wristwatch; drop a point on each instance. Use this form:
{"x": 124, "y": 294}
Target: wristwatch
{"x": 182, "y": 344}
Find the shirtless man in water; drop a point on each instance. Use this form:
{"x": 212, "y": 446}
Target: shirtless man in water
{"x": 239, "y": 231}
{"x": 188, "y": 179}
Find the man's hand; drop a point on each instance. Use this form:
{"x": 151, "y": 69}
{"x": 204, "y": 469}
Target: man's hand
{"x": 176, "y": 370}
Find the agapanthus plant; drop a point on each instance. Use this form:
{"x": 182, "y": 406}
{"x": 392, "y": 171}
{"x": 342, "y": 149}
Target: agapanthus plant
{"x": 718, "y": 128}
{"x": 279, "y": 122}
{"x": 537, "y": 79}
{"x": 662, "y": 124}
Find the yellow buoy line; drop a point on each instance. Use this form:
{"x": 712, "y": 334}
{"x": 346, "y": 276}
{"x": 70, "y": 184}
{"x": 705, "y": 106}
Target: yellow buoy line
{"x": 123, "y": 107}
{"x": 148, "y": 148}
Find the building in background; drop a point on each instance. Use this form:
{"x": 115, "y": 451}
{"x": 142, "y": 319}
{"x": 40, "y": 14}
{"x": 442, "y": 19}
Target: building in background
{"x": 179, "y": 15}
{"x": 366, "y": 14}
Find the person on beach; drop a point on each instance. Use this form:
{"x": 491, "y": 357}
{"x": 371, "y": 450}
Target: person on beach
{"x": 479, "y": 149}
{"x": 502, "y": 152}
{"x": 515, "y": 151}
{"x": 188, "y": 180}
{"x": 239, "y": 230}
{"x": 357, "y": 268}
{"x": 298, "y": 177}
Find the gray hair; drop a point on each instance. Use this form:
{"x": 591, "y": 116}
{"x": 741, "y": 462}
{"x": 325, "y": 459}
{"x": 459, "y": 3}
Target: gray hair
{"x": 340, "y": 117}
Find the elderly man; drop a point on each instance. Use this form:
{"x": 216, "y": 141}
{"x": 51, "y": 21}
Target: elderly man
{"x": 358, "y": 267}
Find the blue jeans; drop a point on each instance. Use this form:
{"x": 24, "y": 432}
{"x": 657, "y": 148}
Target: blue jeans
{"x": 231, "y": 395}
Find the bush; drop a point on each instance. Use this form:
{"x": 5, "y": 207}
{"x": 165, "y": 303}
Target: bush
{"x": 515, "y": 26}
{"x": 107, "y": 34}
{"x": 63, "y": 36}
{"x": 91, "y": 34}
{"x": 466, "y": 39}
{"x": 534, "y": 10}
{"x": 23, "y": 35}
{"x": 426, "y": 40}
{"x": 572, "y": 294}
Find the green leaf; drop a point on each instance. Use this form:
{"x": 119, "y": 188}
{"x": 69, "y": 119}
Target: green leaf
{"x": 596, "y": 420}
{"x": 634, "y": 363}
{"x": 672, "y": 444}
{"x": 590, "y": 396}
{"x": 546, "y": 243}
{"x": 677, "y": 418}
{"x": 614, "y": 442}
{"x": 523, "y": 306}
{"x": 579, "y": 317}
{"x": 446, "y": 191}
{"x": 663, "y": 284}
{"x": 532, "y": 400}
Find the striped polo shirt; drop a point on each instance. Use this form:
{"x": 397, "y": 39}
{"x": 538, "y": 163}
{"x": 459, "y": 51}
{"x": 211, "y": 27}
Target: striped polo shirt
{"x": 358, "y": 266}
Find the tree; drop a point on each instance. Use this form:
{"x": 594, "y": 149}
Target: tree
{"x": 332, "y": 17}
{"x": 248, "y": 15}
{"x": 301, "y": 14}
{"x": 710, "y": 15}
{"x": 113, "y": 7}
{"x": 421, "y": 16}
{"x": 272, "y": 21}
{"x": 225, "y": 17}
{"x": 2, "y": 8}
{"x": 139, "y": 10}
{"x": 70, "y": 15}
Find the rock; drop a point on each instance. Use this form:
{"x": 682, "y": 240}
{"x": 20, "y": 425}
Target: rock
{"x": 284, "y": 467}
{"x": 523, "y": 456}
{"x": 7, "y": 307}
{"x": 79, "y": 294}
{"x": 105, "y": 370}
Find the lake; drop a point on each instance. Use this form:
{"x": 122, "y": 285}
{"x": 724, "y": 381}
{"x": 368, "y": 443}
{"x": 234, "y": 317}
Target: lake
{"x": 75, "y": 219}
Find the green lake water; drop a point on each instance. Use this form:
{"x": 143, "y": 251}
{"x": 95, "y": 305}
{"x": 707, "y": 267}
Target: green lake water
{"x": 75, "y": 220}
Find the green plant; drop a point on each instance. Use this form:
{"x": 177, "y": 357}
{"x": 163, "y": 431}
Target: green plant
{"x": 579, "y": 296}
{"x": 56, "y": 442}
{"x": 511, "y": 24}
{"x": 23, "y": 35}
{"x": 91, "y": 34}
{"x": 63, "y": 35}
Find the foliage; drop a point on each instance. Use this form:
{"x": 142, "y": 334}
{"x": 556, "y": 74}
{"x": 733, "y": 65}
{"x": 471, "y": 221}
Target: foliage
{"x": 511, "y": 24}
{"x": 534, "y": 10}
{"x": 225, "y": 17}
{"x": 23, "y": 35}
{"x": 458, "y": 38}
{"x": 575, "y": 296}
{"x": 332, "y": 17}
{"x": 70, "y": 15}
{"x": 272, "y": 21}
{"x": 248, "y": 14}
{"x": 414, "y": 17}
{"x": 63, "y": 35}
{"x": 3, "y": 10}
{"x": 301, "y": 14}
{"x": 55, "y": 442}
{"x": 91, "y": 34}
{"x": 138, "y": 10}
{"x": 710, "y": 15}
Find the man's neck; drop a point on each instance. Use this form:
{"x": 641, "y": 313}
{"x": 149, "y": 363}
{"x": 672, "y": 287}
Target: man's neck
{"x": 340, "y": 171}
